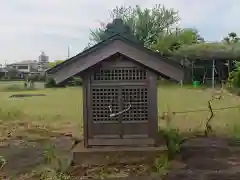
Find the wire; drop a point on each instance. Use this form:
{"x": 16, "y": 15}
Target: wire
{"x": 203, "y": 110}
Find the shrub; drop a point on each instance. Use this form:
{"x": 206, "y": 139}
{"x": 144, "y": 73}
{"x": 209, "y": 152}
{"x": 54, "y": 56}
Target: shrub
{"x": 234, "y": 77}
{"x": 75, "y": 81}
{"x": 50, "y": 83}
{"x": 173, "y": 141}
{"x": 5, "y": 78}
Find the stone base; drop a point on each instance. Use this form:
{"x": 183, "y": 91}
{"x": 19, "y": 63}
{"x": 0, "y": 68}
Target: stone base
{"x": 97, "y": 156}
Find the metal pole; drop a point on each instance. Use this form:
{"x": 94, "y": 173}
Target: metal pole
{"x": 192, "y": 71}
{"x": 213, "y": 73}
{"x": 68, "y": 51}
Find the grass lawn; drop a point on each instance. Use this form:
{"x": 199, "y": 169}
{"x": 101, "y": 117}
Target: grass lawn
{"x": 64, "y": 106}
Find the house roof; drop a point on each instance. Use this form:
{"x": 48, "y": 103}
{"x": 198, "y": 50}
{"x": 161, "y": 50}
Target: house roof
{"x": 25, "y": 62}
{"x": 111, "y": 46}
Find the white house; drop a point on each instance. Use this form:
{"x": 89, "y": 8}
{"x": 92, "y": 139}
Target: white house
{"x": 31, "y": 66}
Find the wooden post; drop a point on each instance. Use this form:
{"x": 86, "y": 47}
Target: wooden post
{"x": 229, "y": 66}
{"x": 213, "y": 73}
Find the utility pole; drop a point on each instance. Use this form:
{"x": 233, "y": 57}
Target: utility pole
{"x": 68, "y": 51}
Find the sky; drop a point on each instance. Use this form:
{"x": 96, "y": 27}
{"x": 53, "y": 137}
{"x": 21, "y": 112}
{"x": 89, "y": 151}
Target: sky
{"x": 28, "y": 27}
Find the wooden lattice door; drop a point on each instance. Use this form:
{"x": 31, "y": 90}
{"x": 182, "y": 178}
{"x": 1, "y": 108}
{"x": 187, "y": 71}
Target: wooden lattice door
{"x": 120, "y": 112}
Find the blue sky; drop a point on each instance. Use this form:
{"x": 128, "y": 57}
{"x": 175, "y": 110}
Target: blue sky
{"x": 31, "y": 26}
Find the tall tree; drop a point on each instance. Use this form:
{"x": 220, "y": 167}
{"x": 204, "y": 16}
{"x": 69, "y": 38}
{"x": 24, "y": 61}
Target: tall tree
{"x": 231, "y": 38}
{"x": 145, "y": 24}
{"x": 172, "y": 41}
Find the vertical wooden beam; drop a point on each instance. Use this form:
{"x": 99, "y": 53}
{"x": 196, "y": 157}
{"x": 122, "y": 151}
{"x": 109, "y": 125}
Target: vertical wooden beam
{"x": 85, "y": 111}
{"x": 153, "y": 106}
{"x": 87, "y": 121}
{"x": 192, "y": 70}
{"x": 230, "y": 62}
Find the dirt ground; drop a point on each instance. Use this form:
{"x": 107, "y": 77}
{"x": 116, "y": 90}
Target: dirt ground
{"x": 200, "y": 159}
{"x": 208, "y": 159}
{"x": 212, "y": 158}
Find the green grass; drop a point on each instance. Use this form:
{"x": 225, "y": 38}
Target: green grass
{"x": 64, "y": 106}
{"x": 186, "y": 99}
{"x": 14, "y": 85}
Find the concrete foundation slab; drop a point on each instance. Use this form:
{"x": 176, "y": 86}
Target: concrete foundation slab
{"x": 96, "y": 156}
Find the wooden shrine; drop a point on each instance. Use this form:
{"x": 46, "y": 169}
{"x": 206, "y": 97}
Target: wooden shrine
{"x": 119, "y": 89}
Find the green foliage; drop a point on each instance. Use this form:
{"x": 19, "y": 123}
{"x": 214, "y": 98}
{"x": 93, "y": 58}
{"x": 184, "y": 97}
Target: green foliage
{"x": 145, "y": 24}
{"x": 169, "y": 42}
{"x": 161, "y": 165}
{"x": 12, "y": 73}
{"x": 210, "y": 51}
{"x": 231, "y": 38}
{"x": 234, "y": 77}
{"x": 54, "y": 169}
{"x": 173, "y": 140}
{"x": 75, "y": 81}
{"x": 54, "y": 63}
{"x": 50, "y": 83}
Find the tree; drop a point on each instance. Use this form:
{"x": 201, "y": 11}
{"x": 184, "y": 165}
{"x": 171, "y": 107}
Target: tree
{"x": 145, "y": 24}
{"x": 54, "y": 63}
{"x": 168, "y": 43}
{"x": 234, "y": 76}
{"x": 12, "y": 73}
{"x": 231, "y": 38}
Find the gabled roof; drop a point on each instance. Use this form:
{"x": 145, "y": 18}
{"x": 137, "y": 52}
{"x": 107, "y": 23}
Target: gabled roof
{"x": 24, "y": 62}
{"x": 111, "y": 46}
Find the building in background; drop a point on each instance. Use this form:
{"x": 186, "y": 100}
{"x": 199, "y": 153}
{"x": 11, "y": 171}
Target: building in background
{"x": 43, "y": 62}
{"x": 30, "y": 66}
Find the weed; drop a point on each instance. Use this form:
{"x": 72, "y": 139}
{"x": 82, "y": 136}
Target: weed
{"x": 172, "y": 136}
{"x": 54, "y": 169}
{"x": 173, "y": 141}
{"x": 162, "y": 165}
{"x": 2, "y": 162}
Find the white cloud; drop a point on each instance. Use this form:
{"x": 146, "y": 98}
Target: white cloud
{"x": 30, "y": 26}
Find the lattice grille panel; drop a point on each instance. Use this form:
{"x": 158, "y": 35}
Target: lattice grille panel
{"x": 138, "y": 98}
{"x": 120, "y": 74}
{"x": 101, "y": 99}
